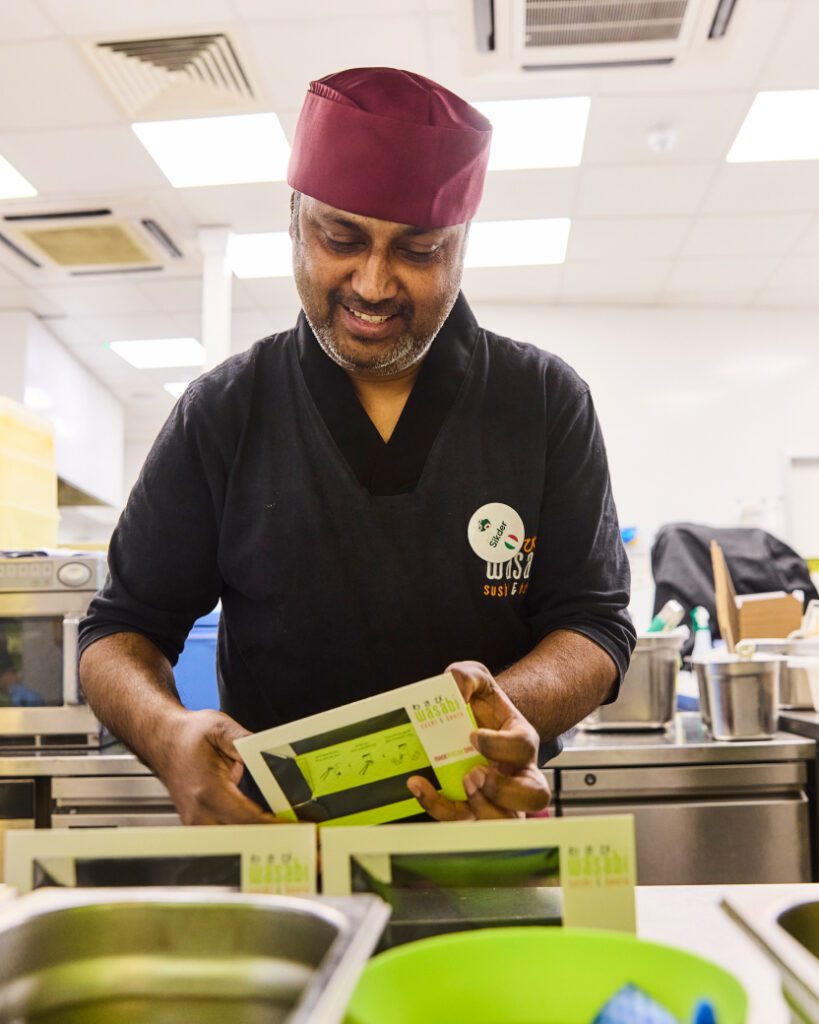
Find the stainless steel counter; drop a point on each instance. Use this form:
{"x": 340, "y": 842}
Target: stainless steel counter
{"x": 803, "y": 723}
{"x": 683, "y": 742}
{"x": 700, "y": 806}
{"x": 113, "y": 760}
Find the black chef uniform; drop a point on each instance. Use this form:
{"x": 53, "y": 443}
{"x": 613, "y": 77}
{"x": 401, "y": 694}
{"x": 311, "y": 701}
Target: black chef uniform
{"x": 342, "y": 562}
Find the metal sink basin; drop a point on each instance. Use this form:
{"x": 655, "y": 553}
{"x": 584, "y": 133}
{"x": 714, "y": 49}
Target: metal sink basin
{"x": 119, "y": 956}
{"x": 788, "y": 932}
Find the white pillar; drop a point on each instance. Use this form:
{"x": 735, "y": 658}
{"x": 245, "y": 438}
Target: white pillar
{"x": 14, "y": 328}
{"x": 216, "y": 286}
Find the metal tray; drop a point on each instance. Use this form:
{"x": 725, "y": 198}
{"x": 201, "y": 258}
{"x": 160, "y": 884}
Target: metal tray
{"x": 126, "y": 956}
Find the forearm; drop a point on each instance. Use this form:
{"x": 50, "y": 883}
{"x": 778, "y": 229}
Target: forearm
{"x": 561, "y": 680}
{"x": 130, "y": 686}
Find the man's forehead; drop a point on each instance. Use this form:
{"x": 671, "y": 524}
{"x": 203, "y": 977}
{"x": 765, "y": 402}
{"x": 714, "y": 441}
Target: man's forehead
{"x": 325, "y": 212}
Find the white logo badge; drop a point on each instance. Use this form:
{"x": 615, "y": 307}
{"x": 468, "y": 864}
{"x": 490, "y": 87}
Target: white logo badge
{"x": 495, "y": 532}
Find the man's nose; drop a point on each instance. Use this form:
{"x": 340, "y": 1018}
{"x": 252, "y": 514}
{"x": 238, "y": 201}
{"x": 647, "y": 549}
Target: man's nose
{"x": 374, "y": 280}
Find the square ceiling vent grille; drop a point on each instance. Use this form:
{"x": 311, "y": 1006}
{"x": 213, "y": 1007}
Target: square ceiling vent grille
{"x": 108, "y": 245}
{"x": 593, "y": 22}
{"x": 175, "y": 76}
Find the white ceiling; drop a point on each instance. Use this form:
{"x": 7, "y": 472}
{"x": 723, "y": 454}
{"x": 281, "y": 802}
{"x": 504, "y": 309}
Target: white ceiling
{"x": 681, "y": 228}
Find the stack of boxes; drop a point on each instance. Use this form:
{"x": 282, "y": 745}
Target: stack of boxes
{"x": 28, "y": 479}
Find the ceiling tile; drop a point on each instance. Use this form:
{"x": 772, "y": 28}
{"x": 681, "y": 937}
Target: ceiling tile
{"x": 98, "y": 299}
{"x": 797, "y": 273}
{"x": 102, "y": 329}
{"x": 730, "y": 63}
{"x": 718, "y": 275}
{"x": 745, "y": 236}
{"x": 512, "y": 195}
{"x": 633, "y": 238}
{"x": 620, "y": 126}
{"x": 793, "y": 63}
{"x": 787, "y": 298}
{"x": 82, "y": 160}
{"x": 122, "y": 18}
{"x": 22, "y": 19}
{"x": 322, "y": 10}
{"x": 7, "y": 279}
{"x": 274, "y": 293}
{"x": 174, "y": 295}
{"x": 764, "y": 188}
{"x": 642, "y": 190}
{"x": 808, "y": 244}
{"x": 512, "y": 284}
{"x": 248, "y": 326}
{"x": 261, "y": 206}
{"x": 633, "y": 280}
{"x": 52, "y": 86}
{"x": 330, "y": 45}
{"x": 729, "y": 298}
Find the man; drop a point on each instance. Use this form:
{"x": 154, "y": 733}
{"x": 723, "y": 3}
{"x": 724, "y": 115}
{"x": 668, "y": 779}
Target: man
{"x": 380, "y": 492}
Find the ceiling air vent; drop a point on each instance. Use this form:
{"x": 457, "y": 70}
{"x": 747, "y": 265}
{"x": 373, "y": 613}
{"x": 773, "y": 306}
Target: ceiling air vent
{"x": 175, "y": 76}
{"x": 546, "y": 35}
{"x": 83, "y": 242}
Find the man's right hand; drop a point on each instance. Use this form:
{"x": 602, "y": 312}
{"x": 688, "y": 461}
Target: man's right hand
{"x": 203, "y": 770}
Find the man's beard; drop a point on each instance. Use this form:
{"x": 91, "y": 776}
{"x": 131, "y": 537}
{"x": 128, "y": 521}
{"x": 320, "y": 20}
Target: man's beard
{"x": 401, "y": 352}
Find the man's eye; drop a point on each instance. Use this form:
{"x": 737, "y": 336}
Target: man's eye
{"x": 340, "y": 246}
{"x": 420, "y": 257}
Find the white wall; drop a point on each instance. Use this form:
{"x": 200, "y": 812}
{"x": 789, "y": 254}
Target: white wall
{"x": 88, "y": 420}
{"x": 698, "y": 407}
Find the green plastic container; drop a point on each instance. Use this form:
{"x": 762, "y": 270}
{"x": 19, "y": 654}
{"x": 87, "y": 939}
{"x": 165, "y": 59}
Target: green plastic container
{"x": 534, "y": 976}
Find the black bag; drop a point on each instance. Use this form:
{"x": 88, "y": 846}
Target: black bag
{"x": 758, "y": 563}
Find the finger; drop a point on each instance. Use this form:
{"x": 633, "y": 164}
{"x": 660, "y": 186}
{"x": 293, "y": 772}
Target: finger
{"x": 516, "y": 746}
{"x": 525, "y": 791}
{"x": 228, "y": 805}
{"x": 226, "y": 735}
{"x": 436, "y": 804}
{"x": 473, "y": 679}
{"x": 482, "y": 808}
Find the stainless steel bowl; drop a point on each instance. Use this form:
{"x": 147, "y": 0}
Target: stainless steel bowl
{"x": 648, "y": 692}
{"x": 739, "y": 697}
{"x": 123, "y": 956}
{"x": 794, "y": 688}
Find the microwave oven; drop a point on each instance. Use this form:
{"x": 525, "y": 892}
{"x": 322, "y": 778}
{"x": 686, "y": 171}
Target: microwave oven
{"x": 43, "y": 596}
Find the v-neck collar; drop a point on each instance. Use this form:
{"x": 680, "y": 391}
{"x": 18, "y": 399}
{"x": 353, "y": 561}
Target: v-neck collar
{"x": 394, "y": 466}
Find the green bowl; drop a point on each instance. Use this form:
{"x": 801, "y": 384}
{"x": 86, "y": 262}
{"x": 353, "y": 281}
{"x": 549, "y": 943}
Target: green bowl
{"x": 534, "y": 976}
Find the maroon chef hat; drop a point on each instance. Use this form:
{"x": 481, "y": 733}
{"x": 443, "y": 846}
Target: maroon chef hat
{"x": 390, "y": 144}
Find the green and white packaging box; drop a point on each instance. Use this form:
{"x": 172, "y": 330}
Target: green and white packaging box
{"x": 349, "y": 766}
{"x": 596, "y": 855}
{"x": 269, "y": 859}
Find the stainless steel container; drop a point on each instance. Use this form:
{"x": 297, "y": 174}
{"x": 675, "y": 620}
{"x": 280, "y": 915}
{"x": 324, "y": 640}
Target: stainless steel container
{"x": 648, "y": 691}
{"x": 739, "y": 697}
{"x": 126, "y": 956}
{"x": 794, "y": 688}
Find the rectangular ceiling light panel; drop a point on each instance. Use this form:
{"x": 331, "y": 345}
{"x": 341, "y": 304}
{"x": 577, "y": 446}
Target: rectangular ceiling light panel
{"x": 262, "y": 254}
{"x": 536, "y": 133}
{"x": 217, "y": 150}
{"x": 160, "y": 352}
{"x": 517, "y": 243}
{"x": 12, "y": 184}
{"x": 779, "y": 126}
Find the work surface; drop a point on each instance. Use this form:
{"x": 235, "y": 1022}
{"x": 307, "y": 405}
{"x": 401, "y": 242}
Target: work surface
{"x": 689, "y": 916}
{"x": 683, "y": 742}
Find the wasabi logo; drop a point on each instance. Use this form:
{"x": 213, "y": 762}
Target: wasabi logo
{"x": 429, "y": 711}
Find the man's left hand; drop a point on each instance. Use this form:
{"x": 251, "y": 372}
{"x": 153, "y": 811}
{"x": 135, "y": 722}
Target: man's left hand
{"x": 511, "y": 785}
